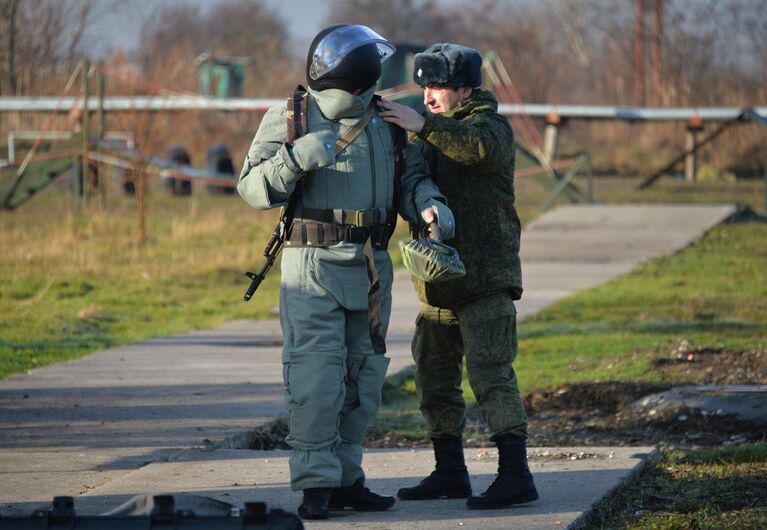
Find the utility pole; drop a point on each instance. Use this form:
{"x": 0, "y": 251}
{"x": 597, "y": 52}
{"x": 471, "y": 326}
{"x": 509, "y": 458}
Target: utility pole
{"x": 639, "y": 37}
{"x": 657, "y": 52}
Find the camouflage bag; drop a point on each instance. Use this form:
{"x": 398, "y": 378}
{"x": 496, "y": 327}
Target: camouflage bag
{"x": 431, "y": 261}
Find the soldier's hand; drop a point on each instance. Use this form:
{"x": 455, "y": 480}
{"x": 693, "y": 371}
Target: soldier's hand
{"x": 429, "y": 214}
{"x": 315, "y": 150}
{"x": 401, "y": 115}
{"x": 442, "y": 215}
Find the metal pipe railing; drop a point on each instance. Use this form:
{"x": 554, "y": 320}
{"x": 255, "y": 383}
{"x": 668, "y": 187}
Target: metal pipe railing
{"x": 177, "y": 102}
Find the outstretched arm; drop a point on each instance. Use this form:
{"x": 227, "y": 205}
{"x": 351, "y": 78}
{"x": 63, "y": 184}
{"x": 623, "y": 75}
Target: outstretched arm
{"x": 421, "y": 201}
{"x": 400, "y": 115}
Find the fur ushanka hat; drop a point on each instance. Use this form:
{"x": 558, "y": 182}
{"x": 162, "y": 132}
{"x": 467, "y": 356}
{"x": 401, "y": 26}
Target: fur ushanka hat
{"x": 448, "y": 65}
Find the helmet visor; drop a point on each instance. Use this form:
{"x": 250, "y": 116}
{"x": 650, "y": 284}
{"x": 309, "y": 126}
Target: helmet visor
{"x": 337, "y": 44}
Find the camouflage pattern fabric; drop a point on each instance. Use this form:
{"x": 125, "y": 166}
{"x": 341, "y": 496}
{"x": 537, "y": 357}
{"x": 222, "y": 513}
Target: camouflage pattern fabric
{"x": 485, "y": 331}
{"x": 470, "y": 152}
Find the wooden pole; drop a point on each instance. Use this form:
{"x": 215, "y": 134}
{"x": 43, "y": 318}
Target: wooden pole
{"x": 694, "y": 126}
{"x": 81, "y": 188}
{"x": 639, "y": 37}
{"x": 551, "y": 137}
{"x": 11, "y": 43}
{"x": 100, "y": 132}
{"x": 690, "y": 160}
{"x": 657, "y": 53}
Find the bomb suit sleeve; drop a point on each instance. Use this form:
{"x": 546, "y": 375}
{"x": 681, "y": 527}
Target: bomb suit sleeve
{"x": 269, "y": 173}
{"x": 418, "y": 189}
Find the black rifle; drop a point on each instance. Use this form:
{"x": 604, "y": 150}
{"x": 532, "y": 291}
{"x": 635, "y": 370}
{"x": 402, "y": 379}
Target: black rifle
{"x": 275, "y": 243}
{"x": 296, "y": 127}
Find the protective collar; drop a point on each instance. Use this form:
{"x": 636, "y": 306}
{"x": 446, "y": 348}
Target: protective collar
{"x": 336, "y": 104}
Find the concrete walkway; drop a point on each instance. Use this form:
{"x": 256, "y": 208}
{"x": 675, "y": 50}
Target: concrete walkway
{"x": 134, "y": 419}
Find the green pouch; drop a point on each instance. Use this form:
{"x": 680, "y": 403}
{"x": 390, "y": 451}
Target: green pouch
{"x": 431, "y": 261}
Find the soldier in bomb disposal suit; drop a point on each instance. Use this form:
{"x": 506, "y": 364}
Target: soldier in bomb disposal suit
{"x": 351, "y": 180}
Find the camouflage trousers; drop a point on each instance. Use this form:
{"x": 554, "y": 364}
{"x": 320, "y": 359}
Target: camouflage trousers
{"x": 485, "y": 332}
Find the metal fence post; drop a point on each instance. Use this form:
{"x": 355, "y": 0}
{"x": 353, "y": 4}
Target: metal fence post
{"x": 589, "y": 178}
{"x": 84, "y": 175}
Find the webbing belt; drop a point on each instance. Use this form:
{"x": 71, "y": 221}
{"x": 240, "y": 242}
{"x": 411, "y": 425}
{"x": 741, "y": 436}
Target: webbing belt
{"x": 369, "y": 217}
{"x": 313, "y": 234}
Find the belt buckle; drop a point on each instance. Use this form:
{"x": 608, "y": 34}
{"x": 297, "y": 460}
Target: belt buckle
{"x": 365, "y": 218}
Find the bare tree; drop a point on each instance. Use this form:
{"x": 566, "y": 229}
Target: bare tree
{"x": 43, "y": 39}
{"x": 572, "y": 16}
{"x": 8, "y": 9}
{"x": 410, "y": 21}
{"x": 177, "y": 34}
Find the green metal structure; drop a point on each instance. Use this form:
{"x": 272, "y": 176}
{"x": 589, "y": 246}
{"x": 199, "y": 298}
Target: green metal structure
{"x": 19, "y": 184}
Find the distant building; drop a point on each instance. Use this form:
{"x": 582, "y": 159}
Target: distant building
{"x": 221, "y": 77}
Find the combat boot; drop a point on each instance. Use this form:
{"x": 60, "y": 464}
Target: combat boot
{"x": 359, "y": 498}
{"x": 449, "y": 479}
{"x": 514, "y": 483}
{"x": 316, "y": 504}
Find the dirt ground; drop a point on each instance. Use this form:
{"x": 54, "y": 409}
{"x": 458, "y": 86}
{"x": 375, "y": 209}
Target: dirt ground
{"x": 610, "y": 412}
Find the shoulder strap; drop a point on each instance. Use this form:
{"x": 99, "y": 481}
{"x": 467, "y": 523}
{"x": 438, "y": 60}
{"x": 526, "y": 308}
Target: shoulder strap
{"x": 297, "y": 126}
{"x": 399, "y": 135}
{"x": 354, "y": 131}
{"x": 399, "y": 139}
{"x": 295, "y": 114}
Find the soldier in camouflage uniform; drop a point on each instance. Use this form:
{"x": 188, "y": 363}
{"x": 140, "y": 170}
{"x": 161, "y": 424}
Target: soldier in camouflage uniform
{"x": 470, "y": 150}
{"x": 335, "y": 262}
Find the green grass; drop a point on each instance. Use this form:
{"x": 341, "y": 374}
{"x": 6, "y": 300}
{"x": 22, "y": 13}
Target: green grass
{"x": 713, "y": 293}
{"x": 714, "y": 489}
{"x": 75, "y": 279}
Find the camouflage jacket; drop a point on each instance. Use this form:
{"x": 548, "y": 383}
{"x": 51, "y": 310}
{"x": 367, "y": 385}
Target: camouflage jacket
{"x": 470, "y": 151}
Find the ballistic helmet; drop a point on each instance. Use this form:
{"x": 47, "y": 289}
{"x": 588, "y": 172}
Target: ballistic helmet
{"x": 347, "y": 57}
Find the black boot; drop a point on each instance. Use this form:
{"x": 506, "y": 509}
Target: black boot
{"x": 514, "y": 483}
{"x": 316, "y": 504}
{"x": 450, "y": 478}
{"x": 358, "y": 497}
